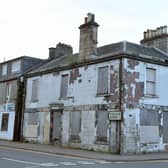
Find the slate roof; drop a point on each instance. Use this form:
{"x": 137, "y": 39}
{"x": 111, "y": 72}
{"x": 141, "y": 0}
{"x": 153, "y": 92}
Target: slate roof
{"x": 27, "y": 64}
{"x": 111, "y": 50}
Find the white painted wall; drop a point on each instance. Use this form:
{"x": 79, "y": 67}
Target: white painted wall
{"x": 8, "y": 135}
{"x": 80, "y": 93}
{"x": 134, "y": 134}
{"x": 83, "y": 93}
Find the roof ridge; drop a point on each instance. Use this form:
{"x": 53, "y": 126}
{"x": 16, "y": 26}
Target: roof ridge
{"x": 124, "y": 46}
{"x": 157, "y": 49}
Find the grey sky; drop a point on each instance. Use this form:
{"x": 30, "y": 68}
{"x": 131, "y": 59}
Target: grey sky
{"x": 30, "y": 27}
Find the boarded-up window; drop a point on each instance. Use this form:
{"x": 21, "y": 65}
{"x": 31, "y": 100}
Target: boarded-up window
{"x": 149, "y": 126}
{"x": 4, "y": 69}
{"x": 150, "y": 81}
{"x": 16, "y": 65}
{"x": 64, "y": 86}
{"x": 4, "y": 124}
{"x": 32, "y": 119}
{"x": 102, "y": 125}
{"x": 102, "y": 86}
{"x": 149, "y": 117}
{"x": 165, "y": 127}
{"x": 149, "y": 134}
{"x": 2, "y": 93}
{"x": 75, "y": 125}
{"x": 34, "y": 97}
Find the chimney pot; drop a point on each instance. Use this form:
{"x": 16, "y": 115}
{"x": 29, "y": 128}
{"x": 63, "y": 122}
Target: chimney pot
{"x": 157, "y": 38}
{"x": 88, "y": 38}
{"x": 145, "y": 33}
{"x": 165, "y": 29}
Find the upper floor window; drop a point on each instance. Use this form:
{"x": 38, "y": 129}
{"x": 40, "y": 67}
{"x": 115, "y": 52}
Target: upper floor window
{"x": 8, "y": 91}
{"x": 4, "y": 69}
{"x": 34, "y": 96}
{"x": 64, "y": 86}
{"x": 102, "y": 86}
{"x": 16, "y": 65}
{"x": 150, "y": 81}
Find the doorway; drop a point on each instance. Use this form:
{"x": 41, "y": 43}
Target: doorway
{"x": 56, "y": 126}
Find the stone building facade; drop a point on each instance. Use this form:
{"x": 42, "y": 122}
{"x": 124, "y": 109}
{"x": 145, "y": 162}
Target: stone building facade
{"x": 109, "y": 98}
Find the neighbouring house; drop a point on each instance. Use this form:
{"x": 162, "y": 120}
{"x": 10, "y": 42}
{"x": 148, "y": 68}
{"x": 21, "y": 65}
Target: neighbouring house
{"x": 11, "y": 95}
{"x": 110, "y": 98}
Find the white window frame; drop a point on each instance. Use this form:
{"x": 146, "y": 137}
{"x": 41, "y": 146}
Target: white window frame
{"x": 4, "y": 69}
{"x": 5, "y": 129}
{"x": 154, "y": 82}
{"x": 16, "y": 66}
{"x": 8, "y": 91}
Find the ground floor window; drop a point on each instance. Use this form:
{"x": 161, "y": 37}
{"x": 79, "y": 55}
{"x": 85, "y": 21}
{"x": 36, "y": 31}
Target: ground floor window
{"x": 165, "y": 127}
{"x": 4, "y": 124}
{"x": 101, "y": 125}
{"x": 149, "y": 126}
{"x": 75, "y": 125}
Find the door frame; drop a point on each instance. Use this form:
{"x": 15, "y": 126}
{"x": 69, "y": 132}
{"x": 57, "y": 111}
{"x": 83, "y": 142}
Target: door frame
{"x": 55, "y": 108}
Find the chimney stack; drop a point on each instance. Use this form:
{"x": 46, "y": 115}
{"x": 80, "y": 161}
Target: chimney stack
{"x": 157, "y": 38}
{"x": 60, "y": 50}
{"x": 88, "y": 38}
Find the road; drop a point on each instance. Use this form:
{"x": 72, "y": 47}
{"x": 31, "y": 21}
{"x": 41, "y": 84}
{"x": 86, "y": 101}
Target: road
{"x": 13, "y": 158}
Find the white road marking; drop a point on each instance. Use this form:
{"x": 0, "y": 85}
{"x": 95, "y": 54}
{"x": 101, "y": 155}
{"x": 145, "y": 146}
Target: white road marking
{"x": 86, "y": 162}
{"x": 68, "y": 163}
{"x": 119, "y": 162}
{"x": 32, "y": 167}
{"x": 45, "y": 153}
{"x": 102, "y": 162}
{"x": 49, "y": 164}
{"x": 20, "y": 161}
{"x": 26, "y": 162}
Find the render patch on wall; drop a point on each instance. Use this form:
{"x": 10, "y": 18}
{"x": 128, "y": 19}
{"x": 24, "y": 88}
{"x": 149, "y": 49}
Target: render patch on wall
{"x": 134, "y": 89}
{"x": 74, "y": 74}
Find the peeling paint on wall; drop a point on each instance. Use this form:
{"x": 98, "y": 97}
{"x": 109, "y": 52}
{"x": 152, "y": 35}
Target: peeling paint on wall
{"x": 132, "y": 63}
{"x": 74, "y": 74}
{"x": 114, "y": 87}
{"x": 133, "y": 90}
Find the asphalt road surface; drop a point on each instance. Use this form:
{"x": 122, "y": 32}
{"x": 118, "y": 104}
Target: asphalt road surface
{"x": 13, "y": 158}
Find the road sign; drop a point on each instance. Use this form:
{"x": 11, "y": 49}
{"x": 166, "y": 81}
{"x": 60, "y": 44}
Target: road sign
{"x": 114, "y": 115}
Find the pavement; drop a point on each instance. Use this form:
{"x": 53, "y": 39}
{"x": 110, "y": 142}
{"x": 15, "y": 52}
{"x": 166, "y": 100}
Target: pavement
{"x": 58, "y": 150}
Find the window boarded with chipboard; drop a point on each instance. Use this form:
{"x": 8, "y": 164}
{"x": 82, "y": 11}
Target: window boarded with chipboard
{"x": 165, "y": 127}
{"x": 101, "y": 125}
{"x": 149, "y": 126}
{"x": 102, "y": 86}
{"x": 64, "y": 86}
{"x": 34, "y": 97}
{"x": 75, "y": 125}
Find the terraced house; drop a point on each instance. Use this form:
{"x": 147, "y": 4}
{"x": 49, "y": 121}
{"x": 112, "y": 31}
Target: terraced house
{"x": 109, "y": 98}
{"x": 11, "y": 95}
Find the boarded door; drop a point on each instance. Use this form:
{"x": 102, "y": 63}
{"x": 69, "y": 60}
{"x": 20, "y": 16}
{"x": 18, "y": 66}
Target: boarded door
{"x": 56, "y": 126}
